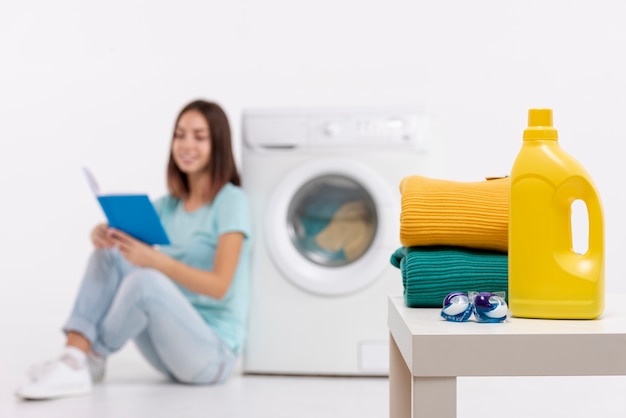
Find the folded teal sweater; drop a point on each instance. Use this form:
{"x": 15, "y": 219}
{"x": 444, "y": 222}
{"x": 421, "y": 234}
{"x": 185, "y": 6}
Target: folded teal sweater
{"x": 429, "y": 273}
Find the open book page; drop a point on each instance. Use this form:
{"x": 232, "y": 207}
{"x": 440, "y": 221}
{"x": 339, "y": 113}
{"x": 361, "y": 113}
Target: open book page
{"x": 131, "y": 213}
{"x": 91, "y": 180}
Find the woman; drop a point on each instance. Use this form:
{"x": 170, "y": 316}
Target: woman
{"x": 185, "y": 304}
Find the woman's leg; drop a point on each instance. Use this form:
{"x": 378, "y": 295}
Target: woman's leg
{"x": 69, "y": 374}
{"x": 144, "y": 344}
{"x": 105, "y": 270}
{"x": 171, "y": 334}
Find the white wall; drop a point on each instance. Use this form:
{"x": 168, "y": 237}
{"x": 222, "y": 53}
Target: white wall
{"x": 99, "y": 84}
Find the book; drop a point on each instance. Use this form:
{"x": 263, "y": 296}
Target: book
{"x": 133, "y": 214}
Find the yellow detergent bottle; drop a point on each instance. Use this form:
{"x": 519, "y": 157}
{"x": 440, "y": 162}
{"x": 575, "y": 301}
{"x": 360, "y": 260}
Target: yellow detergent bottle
{"x": 547, "y": 278}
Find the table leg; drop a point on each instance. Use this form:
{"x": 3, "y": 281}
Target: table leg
{"x": 434, "y": 397}
{"x": 399, "y": 383}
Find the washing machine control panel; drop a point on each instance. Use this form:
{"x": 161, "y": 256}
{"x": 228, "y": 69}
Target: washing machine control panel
{"x": 315, "y": 129}
{"x": 395, "y": 130}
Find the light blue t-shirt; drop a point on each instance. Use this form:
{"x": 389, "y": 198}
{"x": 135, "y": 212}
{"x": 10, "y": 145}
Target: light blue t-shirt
{"x": 193, "y": 241}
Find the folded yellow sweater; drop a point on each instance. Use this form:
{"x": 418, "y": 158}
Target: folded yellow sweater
{"x": 445, "y": 212}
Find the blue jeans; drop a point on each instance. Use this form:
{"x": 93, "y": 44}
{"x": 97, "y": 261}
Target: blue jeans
{"x": 118, "y": 301}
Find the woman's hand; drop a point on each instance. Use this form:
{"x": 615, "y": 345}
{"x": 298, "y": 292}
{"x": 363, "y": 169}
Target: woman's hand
{"x": 100, "y": 238}
{"x": 135, "y": 251}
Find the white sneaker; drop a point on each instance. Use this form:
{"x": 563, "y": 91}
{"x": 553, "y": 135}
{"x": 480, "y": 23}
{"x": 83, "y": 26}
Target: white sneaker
{"x": 95, "y": 363}
{"x": 62, "y": 378}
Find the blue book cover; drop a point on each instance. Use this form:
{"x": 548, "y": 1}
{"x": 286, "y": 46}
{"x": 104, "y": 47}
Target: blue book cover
{"x": 131, "y": 213}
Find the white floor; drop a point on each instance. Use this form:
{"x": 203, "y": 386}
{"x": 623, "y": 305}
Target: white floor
{"x": 132, "y": 389}
{"x": 241, "y": 397}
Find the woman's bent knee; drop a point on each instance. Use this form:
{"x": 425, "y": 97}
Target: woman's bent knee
{"x": 145, "y": 281}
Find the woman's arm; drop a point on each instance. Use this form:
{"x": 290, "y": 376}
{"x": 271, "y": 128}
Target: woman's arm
{"x": 211, "y": 283}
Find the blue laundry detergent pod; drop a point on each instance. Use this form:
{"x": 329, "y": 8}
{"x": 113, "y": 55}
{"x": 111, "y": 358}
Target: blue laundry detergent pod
{"x": 456, "y": 307}
{"x": 489, "y": 306}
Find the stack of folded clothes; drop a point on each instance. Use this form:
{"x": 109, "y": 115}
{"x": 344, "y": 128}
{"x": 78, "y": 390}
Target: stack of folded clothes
{"x": 454, "y": 236}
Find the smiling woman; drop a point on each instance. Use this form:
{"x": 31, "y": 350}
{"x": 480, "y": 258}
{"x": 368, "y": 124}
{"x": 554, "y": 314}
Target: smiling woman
{"x": 191, "y": 147}
{"x": 201, "y": 152}
{"x": 185, "y": 304}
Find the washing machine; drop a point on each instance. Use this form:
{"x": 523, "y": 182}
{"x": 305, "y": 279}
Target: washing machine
{"x": 324, "y": 190}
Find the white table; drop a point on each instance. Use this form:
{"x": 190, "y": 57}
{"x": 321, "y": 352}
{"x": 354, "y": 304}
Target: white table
{"x": 427, "y": 354}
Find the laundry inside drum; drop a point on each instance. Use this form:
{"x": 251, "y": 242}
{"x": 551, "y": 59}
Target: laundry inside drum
{"x": 332, "y": 220}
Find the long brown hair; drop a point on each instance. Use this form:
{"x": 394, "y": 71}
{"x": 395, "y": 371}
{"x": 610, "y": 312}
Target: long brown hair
{"x": 221, "y": 168}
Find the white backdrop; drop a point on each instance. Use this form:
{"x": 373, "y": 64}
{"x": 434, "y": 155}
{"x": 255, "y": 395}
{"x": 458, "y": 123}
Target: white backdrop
{"x": 99, "y": 84}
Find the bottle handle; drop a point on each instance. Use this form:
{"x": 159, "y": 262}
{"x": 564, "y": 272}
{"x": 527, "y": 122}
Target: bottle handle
{"x": 596, "y": 224}
{"x": 580, "y": 188}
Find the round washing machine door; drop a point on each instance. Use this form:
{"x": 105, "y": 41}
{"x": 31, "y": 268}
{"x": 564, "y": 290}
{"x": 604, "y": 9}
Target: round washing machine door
{"x": 327, "y": 226}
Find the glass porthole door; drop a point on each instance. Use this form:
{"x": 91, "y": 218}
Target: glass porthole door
{"x": 326, "y": 226}
{"x": 332, "y": 220}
